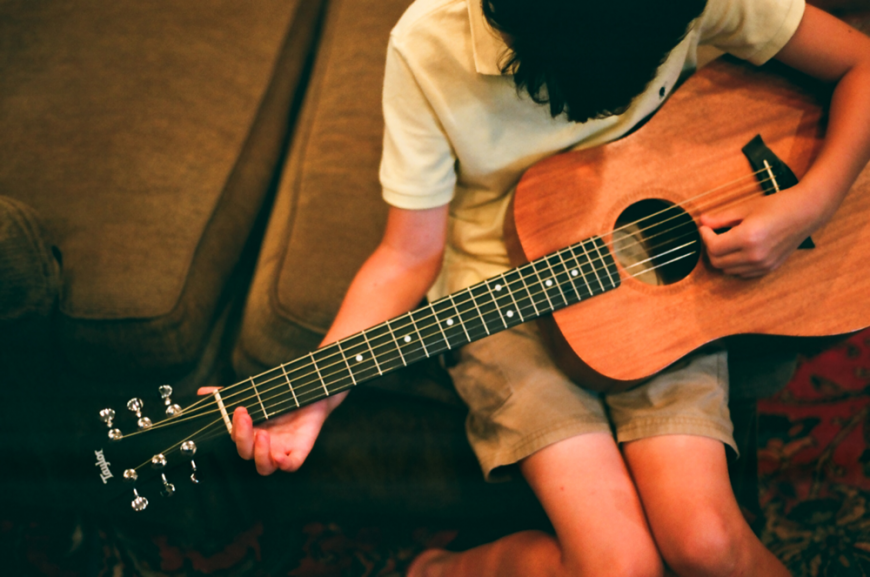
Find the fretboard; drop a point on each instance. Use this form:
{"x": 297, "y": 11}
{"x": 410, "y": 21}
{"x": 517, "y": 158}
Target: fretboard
{"x": 552, "y": 282}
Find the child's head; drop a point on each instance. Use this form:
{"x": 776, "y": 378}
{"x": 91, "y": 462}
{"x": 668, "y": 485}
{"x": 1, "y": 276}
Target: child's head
{"x": 588, "y": 58}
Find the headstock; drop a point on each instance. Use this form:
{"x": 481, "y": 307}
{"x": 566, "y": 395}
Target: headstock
{"x": 142, "y": 459}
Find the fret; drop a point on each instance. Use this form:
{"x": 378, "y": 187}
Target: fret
{"x": 542, "y": 282}
{"x": 383, "y": 346}
{"x": 588, "y": 267}
{"x": 607, "y": 261}
{"x": 526, "y": 287}
{"x": 583, "y": 273}
{"x": 317, "y": 370}
{"x": 511, "y": 312}
{"x": 438, "y": 323}
{"x": 259, "y": 400}
{"x": 396, "y": 341}
{"x": 494, "y": 300}
{"x": 487, "y": 307}
{"x": 289, "y": 384}
{"x": 461, "y": 320}
{"x": 572, "y": 273}
{"x": 449, "y": 323}
{"x": 359, "y": 357}
{"x": 372, "y": 353}
{"x": 419, "y": 336}
{"x": 557, "y": 284}
{"x": 347, "y": 364}
{"x": 412, "y": 349}
{"x": 470, "y": 292}
{"x": 432, "y": 329}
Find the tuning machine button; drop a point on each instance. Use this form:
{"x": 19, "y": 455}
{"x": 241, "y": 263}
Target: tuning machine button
{"x": 158, "y": 461}
{"x": 115, "y": 435}
{"x": 139, "y": 503}
{"x": 172, "y": 409}
{"x": 168, "y": 488}
{"x": 188, "y": 449}
{"x": 135, "y": 405}
{"x": 106, "y": 416}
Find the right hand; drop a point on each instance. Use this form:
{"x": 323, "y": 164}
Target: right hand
{"x": 281, "y": 442}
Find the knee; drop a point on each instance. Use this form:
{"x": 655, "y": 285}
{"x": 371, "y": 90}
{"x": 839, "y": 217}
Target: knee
{"x": 710, "y": 547}
{"x": 630, "y": 560}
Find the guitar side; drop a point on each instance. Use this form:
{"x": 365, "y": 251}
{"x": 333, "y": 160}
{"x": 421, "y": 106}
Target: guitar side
{"x": 693, "y": 145}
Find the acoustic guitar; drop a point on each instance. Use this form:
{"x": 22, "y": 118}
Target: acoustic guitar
{"x": 729, "y": 133}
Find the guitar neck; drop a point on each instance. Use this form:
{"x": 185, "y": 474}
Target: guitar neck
{"x": 552, "y": 282}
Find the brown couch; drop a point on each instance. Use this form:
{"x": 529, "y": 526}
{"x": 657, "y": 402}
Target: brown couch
{"x": 166, "y": 216}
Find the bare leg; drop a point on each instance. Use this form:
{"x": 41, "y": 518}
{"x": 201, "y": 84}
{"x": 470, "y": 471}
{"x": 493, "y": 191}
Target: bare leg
{"x": 589, "y": 496}
{"x": 697, "y": 524}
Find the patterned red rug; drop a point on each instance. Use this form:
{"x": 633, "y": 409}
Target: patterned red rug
{"x": 814, "y": 464}
{"x": 814, "y": 461}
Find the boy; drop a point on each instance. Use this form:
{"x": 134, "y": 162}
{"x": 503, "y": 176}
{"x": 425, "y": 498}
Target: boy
{"x": 475, "y": 94}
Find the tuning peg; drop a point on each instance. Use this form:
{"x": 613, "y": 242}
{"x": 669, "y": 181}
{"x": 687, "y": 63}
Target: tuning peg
{"x": 138, "y": 503}
{"x": 188, "y": 449}
{"x": 172, "y": 409}
{"x": 158, "y": 461}
{"x": 106, "y": 415}
{"x": 135, "y": 405}
{"x": 168, "y": 488}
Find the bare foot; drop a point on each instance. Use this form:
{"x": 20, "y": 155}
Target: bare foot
{"x": 429, "y": 563}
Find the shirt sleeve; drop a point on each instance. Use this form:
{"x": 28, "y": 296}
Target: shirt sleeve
{"x": 418, "y": 164}
{"x": 753, "y": 30}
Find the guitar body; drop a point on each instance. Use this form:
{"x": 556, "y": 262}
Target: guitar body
{"x": 692, "y": 146}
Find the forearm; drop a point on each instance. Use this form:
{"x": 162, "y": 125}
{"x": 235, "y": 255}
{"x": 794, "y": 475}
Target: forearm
{"x": 846, "y": 149}
{"x": 831, "y": 51}
{"x": 395, "y": 278}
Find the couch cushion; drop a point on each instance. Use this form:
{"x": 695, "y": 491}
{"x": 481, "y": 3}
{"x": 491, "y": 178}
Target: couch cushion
{"x": 29, "y": 272}
{"x": 146, "y": 136}
{"x": 328, "y": 215}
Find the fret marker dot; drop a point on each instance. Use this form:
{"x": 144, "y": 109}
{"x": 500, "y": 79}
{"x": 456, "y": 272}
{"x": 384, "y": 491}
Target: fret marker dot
{"x": 359, "y": 358}
{"x": 449, "y": 322}
{"x": 510, "y": 314}
{"x": 407, "y": 339}
{"x": 548, "y": 282}
{"x": 574, "y": 272}
{"x": 498, "y": 287}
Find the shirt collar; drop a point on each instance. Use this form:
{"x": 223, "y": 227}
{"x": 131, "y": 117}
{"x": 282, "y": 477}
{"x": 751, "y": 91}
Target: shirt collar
{"x": 489, "y": 47}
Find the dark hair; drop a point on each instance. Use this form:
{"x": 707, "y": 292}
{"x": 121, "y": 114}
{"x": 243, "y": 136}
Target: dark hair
{"x": 588, "y": 58}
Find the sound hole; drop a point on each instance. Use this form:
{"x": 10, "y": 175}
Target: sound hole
{"x": 656, "y": 242}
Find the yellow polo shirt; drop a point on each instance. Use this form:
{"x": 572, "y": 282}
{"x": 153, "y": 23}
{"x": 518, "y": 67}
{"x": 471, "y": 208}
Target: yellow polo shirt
{"x": 457, "y": 132}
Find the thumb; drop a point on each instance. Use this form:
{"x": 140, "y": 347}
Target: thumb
{"x": 727, "y": 218}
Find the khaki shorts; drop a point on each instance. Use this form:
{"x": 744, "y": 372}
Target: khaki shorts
{"x": 519, "y": 402}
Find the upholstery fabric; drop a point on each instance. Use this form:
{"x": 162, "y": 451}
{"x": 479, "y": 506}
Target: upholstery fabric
{"x": 146, "y": 135}
{"x": 29, "y": 272}
{"x": 328, "y": 214}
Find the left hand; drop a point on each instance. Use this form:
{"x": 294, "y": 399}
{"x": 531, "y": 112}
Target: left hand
{"x": 763, "y": 232}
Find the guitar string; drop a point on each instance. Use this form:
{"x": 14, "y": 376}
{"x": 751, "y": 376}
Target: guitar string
{"x": 347, "y": 384}
{"x": 227, "y": 398}
{"x": 672, "y": 207}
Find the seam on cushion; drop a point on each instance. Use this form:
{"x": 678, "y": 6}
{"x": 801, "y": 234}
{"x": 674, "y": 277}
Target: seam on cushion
{"x": 36, "y": 244}
{"x": 324, "y": 50}
{"x": 223, "y": 198}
